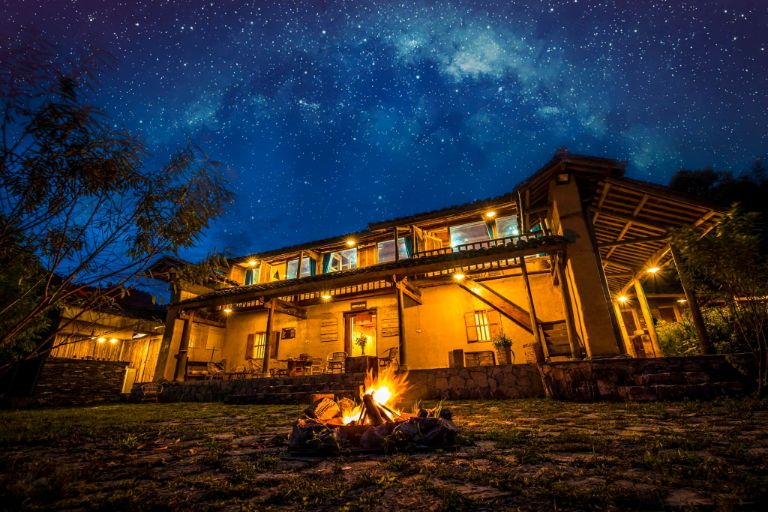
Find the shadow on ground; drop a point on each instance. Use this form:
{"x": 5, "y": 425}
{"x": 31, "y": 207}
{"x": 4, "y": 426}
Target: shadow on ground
{"x": 527, "y": 454}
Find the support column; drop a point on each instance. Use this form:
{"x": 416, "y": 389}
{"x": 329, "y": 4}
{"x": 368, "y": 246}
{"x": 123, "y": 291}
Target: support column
{"x": 401, "y": 324}
{"x": 570, "y": 326}
{"x": 600, "y": 338}
{"x": 268, "y": 337}
{"x": 646, "y": 310}
{"x": 624, "y": 333}
{"x": 181, "y": 358}
{"x": 693, "y": 304}
{"x": 397, "y": 251}
{"x": 532, "y": 311}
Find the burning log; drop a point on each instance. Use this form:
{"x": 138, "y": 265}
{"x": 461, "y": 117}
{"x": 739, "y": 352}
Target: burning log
{"x": 371, "y": 425}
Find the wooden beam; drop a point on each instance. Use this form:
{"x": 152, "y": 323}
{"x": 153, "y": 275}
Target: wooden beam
{"x": 498, "y": 302}
{"x": 268, "y": 336}
{"x": 402, "y": 357}
{"x": 410, "y": 293}
{"x": 646, "y": 310}
{"x": 693, "y": 304}
{"x": 606, "y": 188}
{"x": 181, "y": 358}
{"x": 287, "y": 308}
{"x": 633, "y": 241}
{"x": 570, "y": 324}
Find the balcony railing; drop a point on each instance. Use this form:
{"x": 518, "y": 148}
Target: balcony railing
{"x": 519, "y": 241}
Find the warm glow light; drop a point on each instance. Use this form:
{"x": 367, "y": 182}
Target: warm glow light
{"x": 382, "y": 395}
{"x": 252, "y": 262}
{"x": 653, "y": 270}
{"x": 227, "y": 310}
{"x": 350, "y": 242}
{"x": 490, "y": 215}
{"x": 681, "y": 301}
{"x": 622, "y": 298}
{"x": 113, "y": 340}
{"x": 101, "y": 339}
{"x": 459, "y": 276}
{"x": 326, "y": 296}
{"x": 386, "y": 389}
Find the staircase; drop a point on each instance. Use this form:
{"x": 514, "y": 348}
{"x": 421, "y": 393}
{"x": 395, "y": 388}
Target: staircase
{"x": 556, "y": 337}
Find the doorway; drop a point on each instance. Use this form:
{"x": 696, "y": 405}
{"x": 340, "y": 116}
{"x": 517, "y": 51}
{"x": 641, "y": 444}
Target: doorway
{"x": 359, "y": 326}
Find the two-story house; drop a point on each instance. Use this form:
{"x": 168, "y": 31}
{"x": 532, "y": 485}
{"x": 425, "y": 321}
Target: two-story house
{"x": 557, "y": 264}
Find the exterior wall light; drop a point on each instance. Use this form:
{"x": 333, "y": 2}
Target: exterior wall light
{"x": 350, "y": 242}
{"x": 326, "y": 296}
{"x": 563, "y": 178}
{"x": 227, "y": 310}
{"x": 490, "y": 215}
{"x": 101, "y": 339}
{"x": 653, "y": 270}
{"x": 252, "y": 262}
{"x": 458, "y": 276}
{"x": 113, "y": 340}
{"x": 682, "y": 301}
{"x": 622, "y": 298}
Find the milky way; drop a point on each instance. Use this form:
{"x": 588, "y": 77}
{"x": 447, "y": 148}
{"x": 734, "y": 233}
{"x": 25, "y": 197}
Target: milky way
{"x": 329, "y": 115}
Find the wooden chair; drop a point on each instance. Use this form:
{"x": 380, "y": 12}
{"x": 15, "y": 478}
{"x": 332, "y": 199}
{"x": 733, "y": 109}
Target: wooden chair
{"x": 337, "y": 362}
{"x": 216, "y": 370}
{"x": 317, "y": 366}
{"x": 390, "y": 357}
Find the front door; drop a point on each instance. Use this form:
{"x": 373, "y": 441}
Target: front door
{"x": 360, "y": 333}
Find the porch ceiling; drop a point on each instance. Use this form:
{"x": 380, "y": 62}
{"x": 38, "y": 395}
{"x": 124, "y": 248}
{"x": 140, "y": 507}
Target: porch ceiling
{"x": 385, "y": 271}
{"x": 632, "y": 221}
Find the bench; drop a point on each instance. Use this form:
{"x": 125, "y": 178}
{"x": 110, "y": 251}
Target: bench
{"x": 200, "y": 370}
{"x": 149, "y": 391}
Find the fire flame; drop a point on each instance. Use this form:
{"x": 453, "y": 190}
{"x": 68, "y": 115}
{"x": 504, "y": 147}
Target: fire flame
{"x": 385, "y": 389}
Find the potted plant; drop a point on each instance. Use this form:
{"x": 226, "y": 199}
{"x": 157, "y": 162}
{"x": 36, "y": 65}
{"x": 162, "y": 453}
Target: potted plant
{"x": 503, "y": 345}
{"x": 361, "y": 342}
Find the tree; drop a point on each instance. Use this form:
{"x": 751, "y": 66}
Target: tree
{"x": 78, "y": 208}
{"x": 727, "y": 268}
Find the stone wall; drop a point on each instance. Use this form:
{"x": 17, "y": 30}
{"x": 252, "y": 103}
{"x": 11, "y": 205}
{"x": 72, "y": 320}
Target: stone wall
{"x": 669, "y": 378}
{"x": 79, "y": 382}
{"x": 504, "y": 381}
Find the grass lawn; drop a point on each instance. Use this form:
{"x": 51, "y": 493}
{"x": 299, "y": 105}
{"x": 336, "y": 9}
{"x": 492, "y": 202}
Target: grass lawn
{"x": 515, "y": 454}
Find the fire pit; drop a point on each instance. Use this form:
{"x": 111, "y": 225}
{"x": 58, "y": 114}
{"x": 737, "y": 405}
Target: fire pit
{"x": 372, "y": 423}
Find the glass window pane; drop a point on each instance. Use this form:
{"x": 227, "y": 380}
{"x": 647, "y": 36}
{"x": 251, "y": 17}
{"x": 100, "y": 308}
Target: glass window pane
{"x": 507, "y": 226}
{"x": 291, "y": 269}
{"x": 387, "y": 250}
{"x": 343, "y": 260}
{"x": 306, "y": 267}
{"x": 468, "y": 233}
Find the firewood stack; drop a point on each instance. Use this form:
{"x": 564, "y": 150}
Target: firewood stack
{"x": 377, "y": 428}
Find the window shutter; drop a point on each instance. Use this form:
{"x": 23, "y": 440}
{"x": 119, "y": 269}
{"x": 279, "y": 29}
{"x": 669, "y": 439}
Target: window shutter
{"x": 275, "y": 343}
{"x": 264, "y": 272}
{"x": 494, "y": 322}
{"x": 249, "y": 346}
{"x": 469, "y": 322}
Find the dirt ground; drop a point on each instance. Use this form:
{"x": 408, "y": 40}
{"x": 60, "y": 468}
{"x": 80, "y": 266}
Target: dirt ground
{"x": 515, "y": 454}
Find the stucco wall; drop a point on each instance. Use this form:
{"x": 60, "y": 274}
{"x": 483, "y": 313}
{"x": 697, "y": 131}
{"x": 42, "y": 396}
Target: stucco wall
{"x": 432, "y": 329}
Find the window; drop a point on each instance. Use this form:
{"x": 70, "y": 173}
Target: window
{"x": 255, "y": 346}
{"x": 507, "y": 226}
{"x": 307, "y": 268}
{"x": 387, "y": 249}
{"x": 252, "y": 276}
{"x": 340, "y": 260}
{"x": 482, "y": 325}
{"x": 470, "y": 233}
{"x": 288, "y": 333}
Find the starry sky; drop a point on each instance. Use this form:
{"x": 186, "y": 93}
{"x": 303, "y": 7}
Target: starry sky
{"x": 332, "y": 114}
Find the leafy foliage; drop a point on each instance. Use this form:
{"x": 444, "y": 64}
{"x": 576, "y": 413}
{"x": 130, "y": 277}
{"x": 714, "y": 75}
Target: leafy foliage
{"x": 727, "y": 268}
{"x": 78, "y": 209}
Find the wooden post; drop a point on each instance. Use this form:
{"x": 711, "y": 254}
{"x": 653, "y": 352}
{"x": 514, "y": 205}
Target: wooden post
{"x": 298, "y": 270}
{"x": 532, "y": 310}
{"x": 268, "y": 336}
{"x": 181, "y": 358}
{"x": 401, "y": 323}
{"x": 570, "y": 326}
{"x": 624, "y": 332}
{"x": 646, "y": 310}
{"x": 397, "y": 252}
{"x": 693, "y": 304}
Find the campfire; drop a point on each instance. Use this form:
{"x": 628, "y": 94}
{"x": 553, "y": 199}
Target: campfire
{"x": 373, "y": 422}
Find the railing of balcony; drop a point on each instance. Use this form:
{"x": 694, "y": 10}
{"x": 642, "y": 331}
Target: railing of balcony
{"x": 507, "y": 241}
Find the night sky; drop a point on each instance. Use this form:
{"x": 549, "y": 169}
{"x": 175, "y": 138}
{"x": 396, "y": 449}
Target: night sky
{"x": 329, "y": 115}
